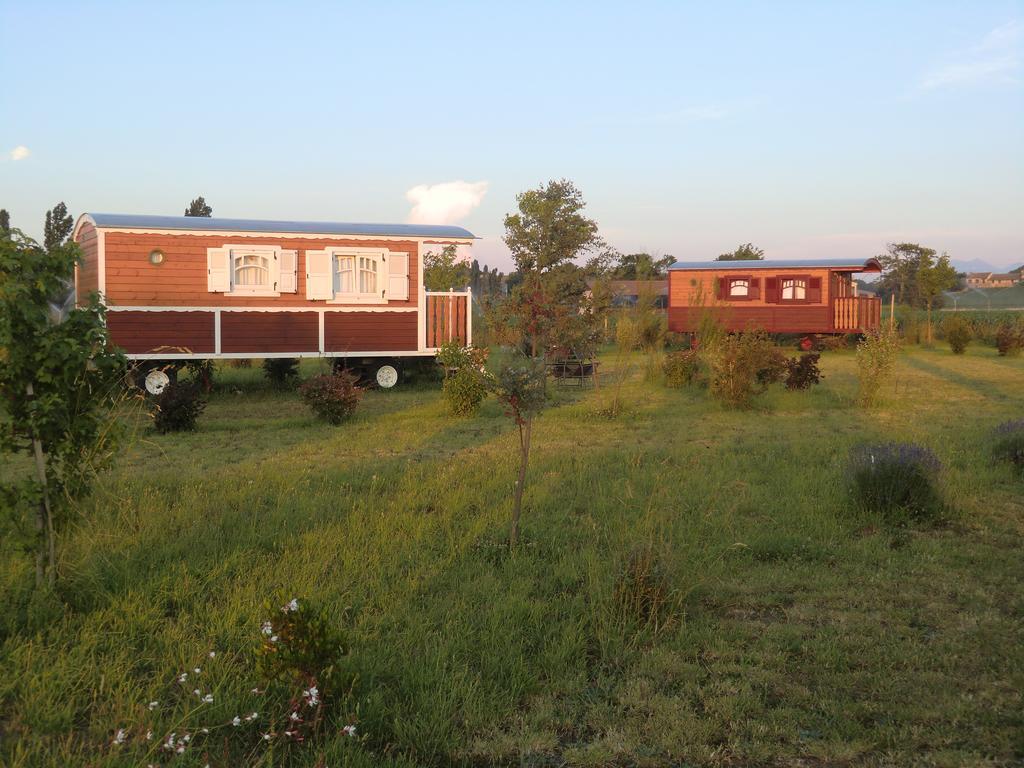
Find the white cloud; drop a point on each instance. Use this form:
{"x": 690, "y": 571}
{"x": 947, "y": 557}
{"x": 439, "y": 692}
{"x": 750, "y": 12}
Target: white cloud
{"x": 444, "y": 203}
{"x": 996, "y": 59}
{"x": 20, "y": 152}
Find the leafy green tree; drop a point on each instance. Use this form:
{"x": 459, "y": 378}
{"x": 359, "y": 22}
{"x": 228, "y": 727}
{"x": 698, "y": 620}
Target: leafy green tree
{"x": 443, "y": 270}
{"x": 546, "y": 236}
{"x": 5, "y": 223}
{"x": 58, "y": 381}
{"x": 57, "y": 227}
{"x": 933, "y": 277}
{"x": 198, "y": 207}
{"x": 641, "y": 266}
{"x": 900, "y": 264}
{"x": 746, "y": 252}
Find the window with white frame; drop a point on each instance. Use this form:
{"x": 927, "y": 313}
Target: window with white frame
{"x": 739, "y": 288}
{"x": 794, "y": 289}
{"x": 358, "y": 275}
{"x": 251, "y": 271}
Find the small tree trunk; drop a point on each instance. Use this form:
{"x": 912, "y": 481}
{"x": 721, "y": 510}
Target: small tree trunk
{"x": 929, "y": 323}
{"x": 517, "y": 504}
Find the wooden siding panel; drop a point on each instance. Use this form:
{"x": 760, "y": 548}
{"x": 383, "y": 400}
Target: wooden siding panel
{"x": 803, "y": 318}
{"x": 140, "y": 333}
{"x": 181, "y": 280}
{"x": 88, "y": 269}
{"x": 258, "y": 332}
{"x": 370, "y": 331}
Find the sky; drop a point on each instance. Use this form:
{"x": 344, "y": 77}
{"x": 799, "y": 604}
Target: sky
{"x": 809, "y": 129}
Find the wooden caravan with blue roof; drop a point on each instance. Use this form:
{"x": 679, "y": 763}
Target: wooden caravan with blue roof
{"x": 183, "y": 288}
{"x": 804, "y": 297}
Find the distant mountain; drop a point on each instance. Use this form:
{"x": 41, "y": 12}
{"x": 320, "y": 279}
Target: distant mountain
{"x": 975, "y": 265}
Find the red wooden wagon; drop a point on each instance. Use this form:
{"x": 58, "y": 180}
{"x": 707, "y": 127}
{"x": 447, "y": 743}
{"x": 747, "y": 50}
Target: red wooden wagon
{"x": 184, "y": 288}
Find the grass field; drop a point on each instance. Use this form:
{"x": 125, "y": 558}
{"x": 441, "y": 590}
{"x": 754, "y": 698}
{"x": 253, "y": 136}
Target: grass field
{"x": 797, "y": 632}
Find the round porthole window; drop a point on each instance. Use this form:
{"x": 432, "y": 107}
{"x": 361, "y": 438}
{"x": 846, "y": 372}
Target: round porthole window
{"x": 156, "y": 257}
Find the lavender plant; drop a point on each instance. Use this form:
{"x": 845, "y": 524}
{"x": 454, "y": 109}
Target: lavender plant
{"x": 898, "y": 480}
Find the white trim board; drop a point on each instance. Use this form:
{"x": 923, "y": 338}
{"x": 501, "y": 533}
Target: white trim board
{"x": 262, "y": 355}
{"x": 367, "y": 308}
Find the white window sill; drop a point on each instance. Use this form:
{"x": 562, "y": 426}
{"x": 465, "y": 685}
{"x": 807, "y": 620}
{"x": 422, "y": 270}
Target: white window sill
{"x": 357, "y": 300}
{"x": 243, "y": 294}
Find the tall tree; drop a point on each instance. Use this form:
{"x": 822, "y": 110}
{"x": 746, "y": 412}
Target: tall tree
{"x": 58, "y": 382}
{"x": 5, "y": 222}
{"x": 900, "y": 265}
{"x": 550, "y": 229}
{"x": 641, "y": 266}
{"x": 933, "y": 277}
{"x": 443, "y": 270}
{"x": 745, "y": 252}
{"x": 198, "y": 207}
{"x": 57, "y": 227}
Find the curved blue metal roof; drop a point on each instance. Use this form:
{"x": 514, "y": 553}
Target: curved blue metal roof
{"x": 742, "y": 265}
{"x": 137, "y": 221}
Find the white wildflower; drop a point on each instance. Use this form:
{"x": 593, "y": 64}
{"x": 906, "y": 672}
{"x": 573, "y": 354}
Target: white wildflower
{"x": 197, "y": 693}
{"x": 293, "y": 605}
{"x": 149, "y": 735}
{"x": 273, "y": 639}
{"x": 169, "y": 744}
{"x": 120, "y": 737}
{"x": 197, "y": 670}
{"x": 267, "y": 628}
{"x": 205, "y": 730}
{"x": 183, "y": 677}
{"x": 208, "y": 698}
{"x": 349, "y": 730}
{"x": 237, "y": 721}
{"x": 255, "y": 690}
{"x": 153, "y": 705}
{"x": 212, "y": 654}
{"x": 312, "y": 696}
{"x": 266, "y": 737}
{"x": 294, "y": 715}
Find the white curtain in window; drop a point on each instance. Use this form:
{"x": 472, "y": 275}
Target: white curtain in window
{"x": 738, "y": 288}
{"x": 794, "y": 289}
{"x": 345, "y": 271}
{"x": 251, "y": 270}
{"x": 367, "y": 275}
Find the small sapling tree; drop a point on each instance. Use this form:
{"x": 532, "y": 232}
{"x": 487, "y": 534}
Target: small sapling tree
{"x": 59, "y": 378}
{"x": 520, "y": 386}
{"x": 200, "y": 208}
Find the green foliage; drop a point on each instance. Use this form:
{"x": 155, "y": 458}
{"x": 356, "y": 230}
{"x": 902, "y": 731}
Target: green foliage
{"x": 178, "y": 407}
{"x": 202, "y": 373}
{"x": 550, "y": 229}
{"x": 683, "y": 368}
{"x": 639, "y": 266}
{"x": 774, "y": 369}
{"x": 302, "y": 648}
{"x": 747, "y": 252}
{"x": 281, "y": 372}
{"x": 643, "y": 595}
{"x": 198, "y": 207}
{"x": 1010, "y": 338}
{"x": 57, "y": 227}
{"x": 736, "y": 368}
{"x": 59, "y": 383}
{"x": 803, "y": 373}
{"x": 957, "y": 331}
{"x": 465, "y": 390}
{"x": 900, "y": 481}
{"x": 452, "y": 355}
{"x": 876, "y": 359}
{"x": 5, "y": 223}
{"x": 444, "y": 271}
{"x": 332, "y": 397}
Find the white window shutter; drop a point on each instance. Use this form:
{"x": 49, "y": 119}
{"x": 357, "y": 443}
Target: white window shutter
{"x": 319, "y": 282}
{"x": 288, "y": 262}
{"x": 398, "y": 276}
{"x": 218, "y": 270}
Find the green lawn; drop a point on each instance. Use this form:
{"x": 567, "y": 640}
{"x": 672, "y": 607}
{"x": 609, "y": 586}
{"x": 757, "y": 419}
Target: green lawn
{"x": 796, "y": 633}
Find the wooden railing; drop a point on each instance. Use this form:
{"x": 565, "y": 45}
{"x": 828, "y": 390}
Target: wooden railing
{"x": 856, "y": 313}
{"x": 449, "y": 317}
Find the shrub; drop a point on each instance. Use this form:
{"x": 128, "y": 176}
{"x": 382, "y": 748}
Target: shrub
{"x": 957, "y": 331}
{"x": 1008, "y": 442}
{"x": 201, "y": 372}
{"x": 736, "y": 369}
{"x": 1010, "y": 338}
{"x": 452, "y": 355}
{"x": 773, "y": 369}
{"x": 683, "y": 368}
{"x": 332, "y": 397}
{"x": 803, "y": 373}
{"x": 898, "y": 480}
{"x": 465, "y": 390}
{"x": 241, "y": 362}
{"x": 281, "y": 372}
{"x": 627, "y": 334}
{"x": 177, "y": 408}
{"x": 876, "y": 360}
{"x": 301, "y": 647}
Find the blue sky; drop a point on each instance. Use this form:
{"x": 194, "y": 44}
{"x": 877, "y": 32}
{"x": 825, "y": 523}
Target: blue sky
{"x": 811, "y": 129}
